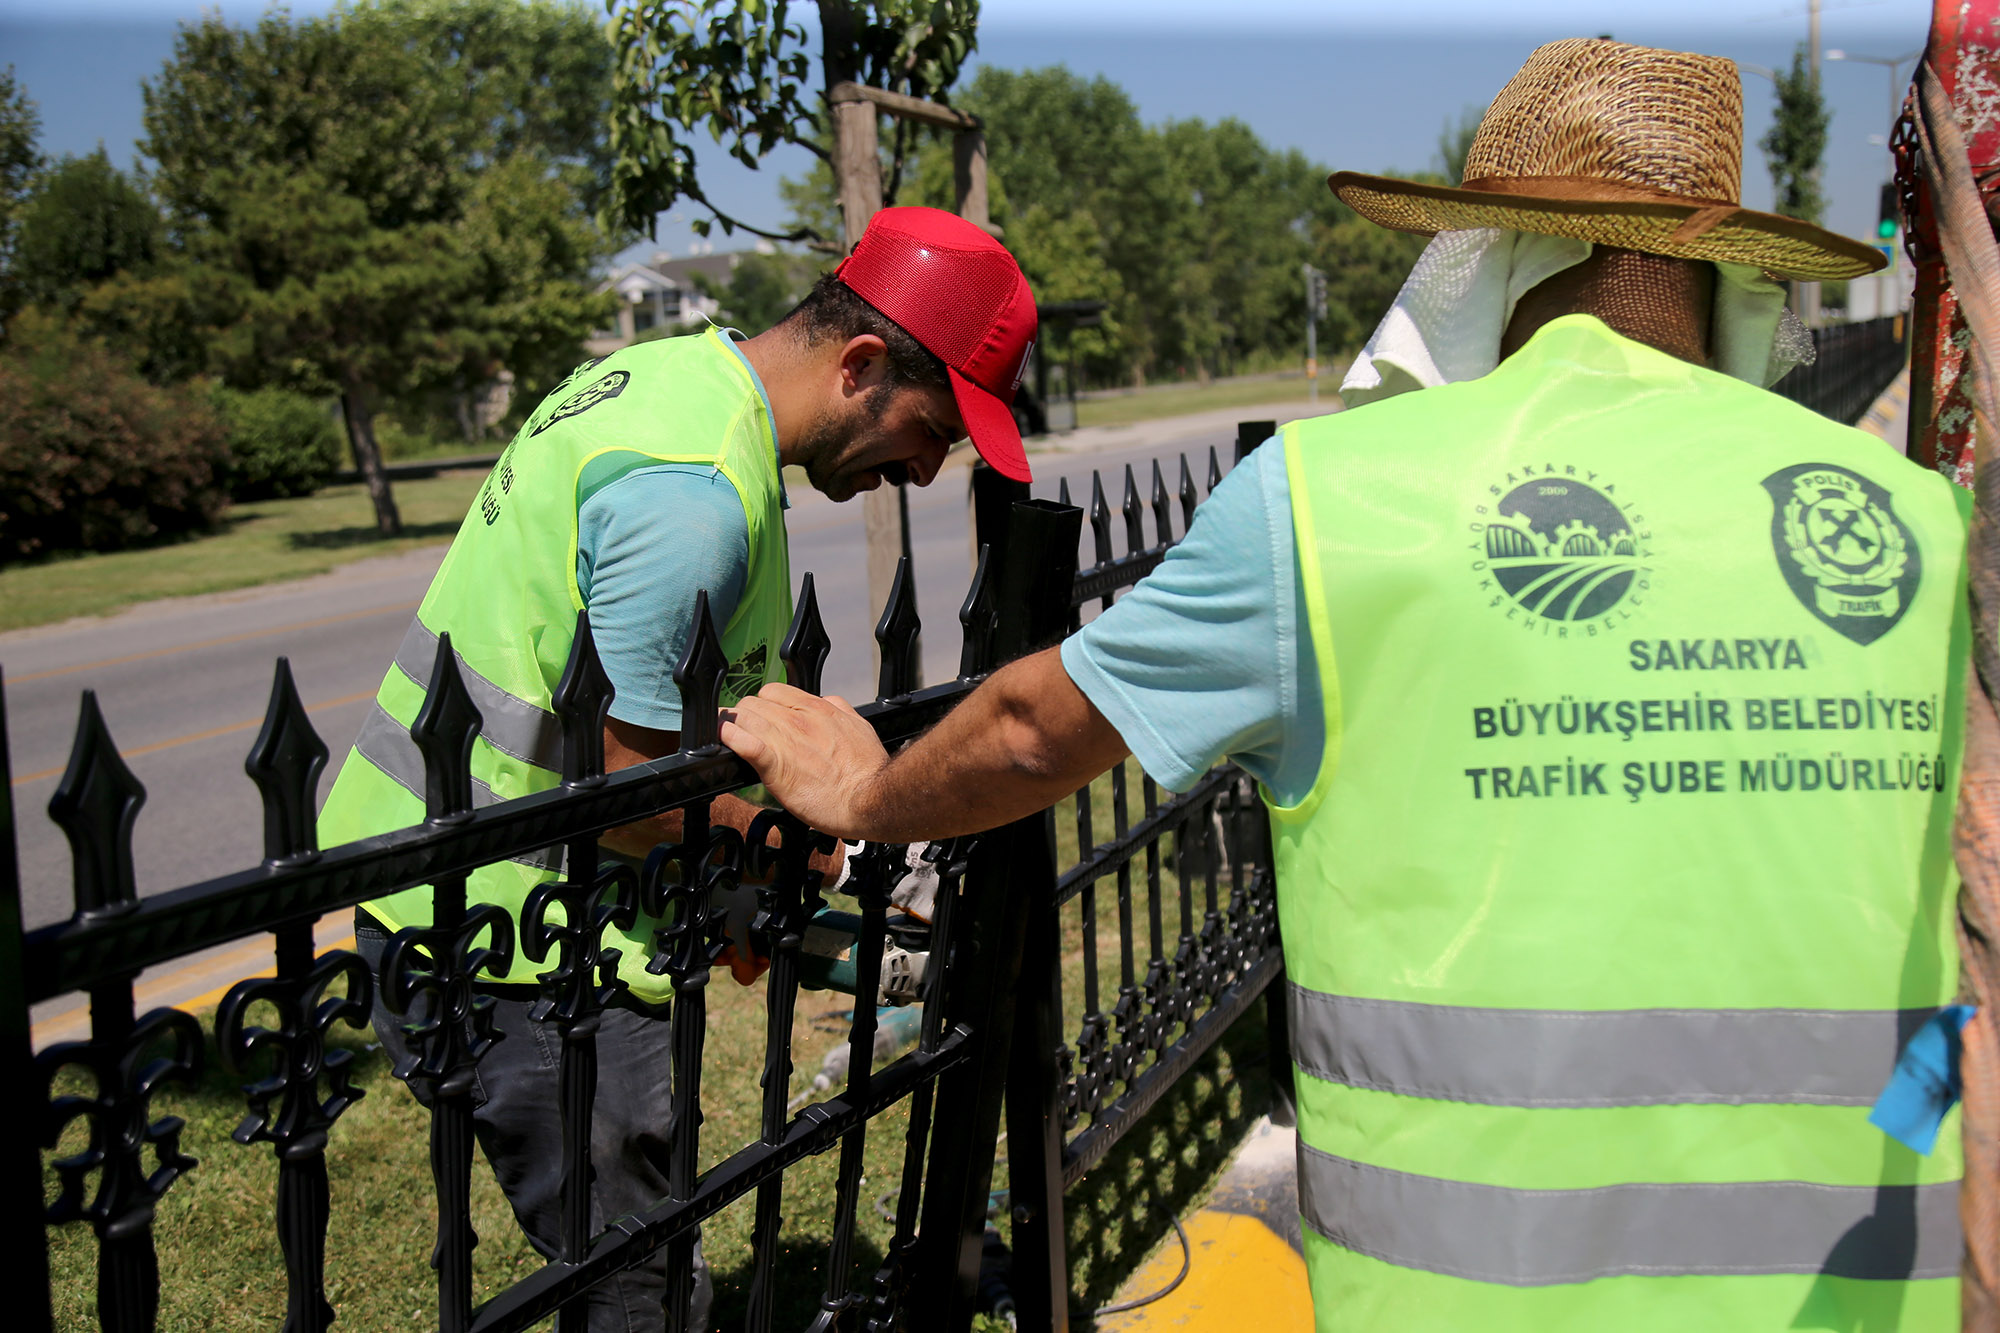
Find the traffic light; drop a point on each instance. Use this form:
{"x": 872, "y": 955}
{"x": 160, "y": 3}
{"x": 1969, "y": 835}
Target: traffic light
{"x": 1315, "y": 293}
{"x": 1890, "y": 216}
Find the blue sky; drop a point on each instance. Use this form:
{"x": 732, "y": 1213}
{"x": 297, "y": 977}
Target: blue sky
{"x": 1350, "y": 85}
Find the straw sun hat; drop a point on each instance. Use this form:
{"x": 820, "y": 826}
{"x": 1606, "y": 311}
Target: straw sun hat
{"x": 1618, "y": 145}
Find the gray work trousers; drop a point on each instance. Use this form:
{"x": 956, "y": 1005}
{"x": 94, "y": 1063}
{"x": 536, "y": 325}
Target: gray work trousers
{"x": 517, "y": 1114}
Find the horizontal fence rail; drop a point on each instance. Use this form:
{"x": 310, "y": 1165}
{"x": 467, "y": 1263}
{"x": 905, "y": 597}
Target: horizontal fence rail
{"x": 274, "y": 1031}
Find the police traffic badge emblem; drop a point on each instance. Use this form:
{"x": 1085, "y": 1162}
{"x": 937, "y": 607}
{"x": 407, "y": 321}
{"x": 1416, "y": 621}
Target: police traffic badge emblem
{"x": 1844, "y": 553}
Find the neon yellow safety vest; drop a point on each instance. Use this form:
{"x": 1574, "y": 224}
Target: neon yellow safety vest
{"x": 1629, "y": 859}
{"x": 507, "y": 593}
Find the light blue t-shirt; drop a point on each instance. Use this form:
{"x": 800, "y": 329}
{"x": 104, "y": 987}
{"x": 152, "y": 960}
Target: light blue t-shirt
{"x": 1209, "y": 656}
{"x": 634, "y": 540}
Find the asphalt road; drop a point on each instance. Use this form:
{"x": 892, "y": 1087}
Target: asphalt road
{"x": 183, "y": 683}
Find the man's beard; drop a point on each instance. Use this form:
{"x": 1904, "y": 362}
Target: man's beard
{"x": 829, "y": 442}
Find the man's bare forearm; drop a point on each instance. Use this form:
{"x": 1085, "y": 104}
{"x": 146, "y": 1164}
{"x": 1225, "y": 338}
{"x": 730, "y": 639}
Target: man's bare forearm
{"x": 1019, "y": 743}
{"x": 1023, "y": 740}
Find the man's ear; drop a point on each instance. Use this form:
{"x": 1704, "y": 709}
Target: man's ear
{"x": 864, "y": 363}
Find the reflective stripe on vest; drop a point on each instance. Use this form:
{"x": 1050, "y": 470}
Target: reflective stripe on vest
{"x": 387, "y": 744}
{"x": 508, "y": 593}
{"x": 1620, "y": 1057}
{"x": 1532, "y": 1238}
{"x": 511, "y": 725}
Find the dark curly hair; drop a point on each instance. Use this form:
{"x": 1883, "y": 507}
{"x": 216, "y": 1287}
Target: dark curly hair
{"x": 832, "y": 310}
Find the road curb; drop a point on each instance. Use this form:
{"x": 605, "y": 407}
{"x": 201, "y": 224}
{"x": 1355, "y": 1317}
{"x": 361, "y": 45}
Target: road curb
{"x": 1244, "y": 1261}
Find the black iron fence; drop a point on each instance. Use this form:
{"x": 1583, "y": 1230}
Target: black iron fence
{"x": 101, "y": 1155}
{"x": 1182, "y": 887}
{"x": 1854, "y": 364}
{"x": 130, "y": 1156}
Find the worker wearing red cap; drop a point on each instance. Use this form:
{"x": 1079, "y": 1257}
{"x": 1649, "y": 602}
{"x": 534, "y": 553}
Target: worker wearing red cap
{"x": 648, "y": 478}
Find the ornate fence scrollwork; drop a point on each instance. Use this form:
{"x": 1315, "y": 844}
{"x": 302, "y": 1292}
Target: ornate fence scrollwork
{"x": 1192, "y": 962}
{"x": 274, "y": 1032}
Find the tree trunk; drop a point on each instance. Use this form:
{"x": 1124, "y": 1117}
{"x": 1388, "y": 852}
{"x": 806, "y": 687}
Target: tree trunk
{"x": 368, "y": 457}
{"x": 857, "y": 178}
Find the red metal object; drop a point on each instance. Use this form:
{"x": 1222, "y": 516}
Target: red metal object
{"x": 1964, "y": 49}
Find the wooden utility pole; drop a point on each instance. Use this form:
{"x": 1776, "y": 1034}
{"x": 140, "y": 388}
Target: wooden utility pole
{"x": 1809, "y": 292}
{"x": 857, "y": 173}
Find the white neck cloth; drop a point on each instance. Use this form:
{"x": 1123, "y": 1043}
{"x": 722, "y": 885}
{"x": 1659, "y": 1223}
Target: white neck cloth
{"x": 1446, "y": 322}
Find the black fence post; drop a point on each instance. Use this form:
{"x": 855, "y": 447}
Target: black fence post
{"x": 993, "y": 500}
{"x": 1040, "y": 1280}
{"x": 1008, "y": 881}
{"x": 21, "y": 1233}
{"x": 1035, "y": 1120}
{"x": 1250, "y": 434}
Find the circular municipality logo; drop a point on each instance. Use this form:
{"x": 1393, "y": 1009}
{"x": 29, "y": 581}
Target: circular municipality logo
{"x": 1559, "y": 544}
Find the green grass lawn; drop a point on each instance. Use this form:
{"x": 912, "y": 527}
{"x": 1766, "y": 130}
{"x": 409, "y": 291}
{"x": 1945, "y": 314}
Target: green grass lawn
{"x": 262, "y": 542}
{"x": 1185, "y": 399}
{"x": 221, "y": 1268}
{"x": 269, "y": 541}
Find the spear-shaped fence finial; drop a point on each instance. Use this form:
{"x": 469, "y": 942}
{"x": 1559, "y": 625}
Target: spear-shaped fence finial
{"x": 444, "y": 731}
{"x": 582, "y": 703}
{"x": 97, "y": 803}
{"x": 980, "y": 617}
{"x": 1163, "y": 508}
{"x": 699, "y": 679}
{"x": 806, "y": 644}
{"x": 898, "y": 632}
{"x": 285, "y": 763}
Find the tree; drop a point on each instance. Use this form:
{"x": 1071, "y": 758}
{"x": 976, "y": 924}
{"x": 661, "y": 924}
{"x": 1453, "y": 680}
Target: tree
{"x": 1081, "y": 189}
{"x": 762, "y": 289}
{"x": 384, "y": 202}
{"x": 20, "y": 159}
{"x": 1455, "y": 141}
{"x": 92, "y": 456}
{"x": 84, "y": 222}
{"x": 739, "y": 68}
{"x": 1795, "y": 144}
{"x": 1238, "y": 238}
{"x": 1365, "y": 266}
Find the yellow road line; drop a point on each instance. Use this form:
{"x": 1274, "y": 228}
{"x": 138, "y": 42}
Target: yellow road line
{"x": 215, "y": 995}
{"x": 214, "y": 643}
{"x": 168, "y": 989}
{"x": 191, "y": 737}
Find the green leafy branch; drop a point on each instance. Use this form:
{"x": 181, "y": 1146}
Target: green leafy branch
{"x": 739, "y": 70}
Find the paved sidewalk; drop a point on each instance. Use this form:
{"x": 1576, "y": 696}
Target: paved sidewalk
{"x": 1889, "y": 417}
{"x": 1244, "y": 1266}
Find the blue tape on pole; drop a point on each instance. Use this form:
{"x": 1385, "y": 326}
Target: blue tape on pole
{"x": 1925, "y": 1085}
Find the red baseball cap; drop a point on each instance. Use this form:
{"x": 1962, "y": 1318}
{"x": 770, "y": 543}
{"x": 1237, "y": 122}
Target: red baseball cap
{"x": 957, "y": 291}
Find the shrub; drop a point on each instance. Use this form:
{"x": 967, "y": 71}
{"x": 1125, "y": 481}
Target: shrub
{"x": 92, "y": 457}
{"x": 280, "y": 443}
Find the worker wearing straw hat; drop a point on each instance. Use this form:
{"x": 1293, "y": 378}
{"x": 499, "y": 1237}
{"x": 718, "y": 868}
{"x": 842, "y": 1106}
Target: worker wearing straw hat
{"x": 1607, "y": 708}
